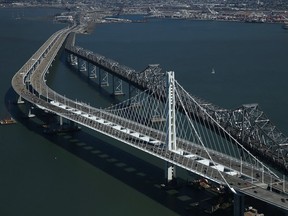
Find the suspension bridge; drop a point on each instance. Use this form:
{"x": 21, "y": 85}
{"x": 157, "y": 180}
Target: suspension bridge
{"x": 162, "y": 120}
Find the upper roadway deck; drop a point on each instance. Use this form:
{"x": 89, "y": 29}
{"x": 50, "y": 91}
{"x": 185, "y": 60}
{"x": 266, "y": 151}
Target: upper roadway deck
{"x": 29, "y": 83}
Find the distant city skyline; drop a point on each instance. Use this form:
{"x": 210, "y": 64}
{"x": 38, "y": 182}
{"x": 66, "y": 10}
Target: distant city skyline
{"x": 260, "y": 11}
{"x": 264, "y": 4}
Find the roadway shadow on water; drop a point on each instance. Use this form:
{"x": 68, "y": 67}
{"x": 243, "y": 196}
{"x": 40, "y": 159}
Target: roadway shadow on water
{"x": 113, "y": 158}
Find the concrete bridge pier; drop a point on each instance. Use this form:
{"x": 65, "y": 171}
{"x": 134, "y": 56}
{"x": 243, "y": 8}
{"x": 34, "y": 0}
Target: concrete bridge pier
{"x": 30, "y": 114}
{"x": 82, "y": 65}
{"x": 72, "y": 59}
{"x": 238, "y": 204}
{"x": 103, "y": 78}
{"x": 170, "y": 173}
{"x": 117, "y": 88}
{"x": 20, "y": 101}
{"x": 60, "y": 120}
{"x": 92, "y": 71}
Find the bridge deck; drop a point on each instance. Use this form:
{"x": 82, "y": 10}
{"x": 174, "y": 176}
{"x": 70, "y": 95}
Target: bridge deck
{"x": 248, "y": 180}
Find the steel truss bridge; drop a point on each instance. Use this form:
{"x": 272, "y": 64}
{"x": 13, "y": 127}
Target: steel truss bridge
{"x": 165, "y": 121}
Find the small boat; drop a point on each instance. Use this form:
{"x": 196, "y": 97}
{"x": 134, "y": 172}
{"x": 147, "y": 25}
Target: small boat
{"x": 213, "y": 71}
{"x": 7, "y": 121}
{"x": 285, "y": 25}
{"x": 250, "y": 211}
{"x": 203, "y": 184}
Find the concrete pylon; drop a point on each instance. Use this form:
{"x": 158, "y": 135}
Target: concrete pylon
{"x": 170, "y": 170}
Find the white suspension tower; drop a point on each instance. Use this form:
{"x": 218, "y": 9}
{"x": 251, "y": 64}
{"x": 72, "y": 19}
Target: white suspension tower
{"x": 170, "y": 171}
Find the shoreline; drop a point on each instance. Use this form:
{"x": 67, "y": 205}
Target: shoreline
{"x": 247, "y": 15}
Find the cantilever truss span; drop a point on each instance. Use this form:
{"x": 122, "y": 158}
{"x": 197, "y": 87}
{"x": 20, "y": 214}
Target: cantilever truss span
{"x": 250, "y": 126}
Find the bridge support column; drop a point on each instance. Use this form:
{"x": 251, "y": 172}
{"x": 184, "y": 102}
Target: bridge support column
{"x": 20, "y": 101}
{"x": 170, "y": 172}
{"x": 117, "y": 89}
{"x": 92, "y": 72}
{"x": 238, "y": 204}
{"x": 30, "y": 114}
{"x": 104, "y": 78}
{"x": 83, "y": 65}
{"x": 60, "y": 120}
{"x": 73, "y": 60}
